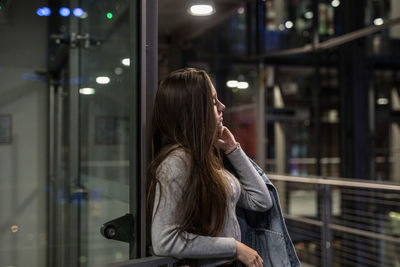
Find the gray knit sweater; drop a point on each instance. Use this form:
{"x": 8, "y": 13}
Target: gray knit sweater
{"x": 249, "y": 192}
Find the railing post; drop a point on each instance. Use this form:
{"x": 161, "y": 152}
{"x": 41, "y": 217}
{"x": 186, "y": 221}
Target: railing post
{"x": 327, "y": 244}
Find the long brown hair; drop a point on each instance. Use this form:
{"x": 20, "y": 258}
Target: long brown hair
{"x": 183, "y": 116}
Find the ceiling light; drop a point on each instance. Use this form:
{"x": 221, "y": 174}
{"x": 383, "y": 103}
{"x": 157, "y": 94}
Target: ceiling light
{"x": 87, "y": 91}
{"x": 242, "y": 85}
{"x": 232, "y": 83}
{"x": 126, "y": 62}
{"x": 64, "y": 11}
{"x": 289, "y": 24}
{"x": 308, "y": 15}
{"x": 43, "y": 11}
{"x": 335, "y": 3}
{"x": 201, "y": 10}
{"x": 378, "y": 21}
{"x": 102, "y": 79}
{"x": 382, "y": 101}
{"x": 78, "y": 12}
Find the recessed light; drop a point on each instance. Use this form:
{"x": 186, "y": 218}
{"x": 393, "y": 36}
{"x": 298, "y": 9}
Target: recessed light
{"x": 126, "y": 62}
{"x": 201, "y": 10}
{"x": 102, "y": 79}
{"x": 242, "y": 85}
{"x": 289, "y": 24}
{"x": 232, "y": 83}
{"x": 87, "y": 91}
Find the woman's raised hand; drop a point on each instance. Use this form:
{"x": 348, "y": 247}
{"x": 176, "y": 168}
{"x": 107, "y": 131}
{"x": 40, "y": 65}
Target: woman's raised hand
{"x": 248, "y": 256}
{"x": 226, "y": 140}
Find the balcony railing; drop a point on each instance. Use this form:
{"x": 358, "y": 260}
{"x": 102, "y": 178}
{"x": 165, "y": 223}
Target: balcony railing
{"x": 333, "y": 222}
{"x": 342, "y": 222}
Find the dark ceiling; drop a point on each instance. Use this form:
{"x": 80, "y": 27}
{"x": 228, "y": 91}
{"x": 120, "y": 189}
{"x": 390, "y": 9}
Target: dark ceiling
{"x": 176, "y": 23}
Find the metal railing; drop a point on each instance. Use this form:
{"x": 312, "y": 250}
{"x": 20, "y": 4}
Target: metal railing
{"x": 333, "y": 222}
{"x": 147, "y": 262}
{"x": 341, "y": 222}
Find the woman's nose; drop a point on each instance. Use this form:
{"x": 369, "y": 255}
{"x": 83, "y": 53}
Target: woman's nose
{"x": 221, "y": 106}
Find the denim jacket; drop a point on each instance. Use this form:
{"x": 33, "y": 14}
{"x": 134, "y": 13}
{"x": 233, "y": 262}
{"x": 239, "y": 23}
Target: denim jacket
{"x": 266, "y": 232}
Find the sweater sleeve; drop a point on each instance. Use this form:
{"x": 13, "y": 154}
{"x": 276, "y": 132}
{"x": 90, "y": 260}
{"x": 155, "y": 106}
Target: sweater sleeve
{"x": 165, "y": 238}
{"x": 254, "y": 194}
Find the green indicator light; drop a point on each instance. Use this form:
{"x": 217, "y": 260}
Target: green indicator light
{"x": 109, "y": 15}
{"x": 1, "y": 8}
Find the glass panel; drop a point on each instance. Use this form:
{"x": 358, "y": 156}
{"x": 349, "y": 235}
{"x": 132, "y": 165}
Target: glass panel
{"x": 65, "y": 147}
{"x": 289, "y": 23}
{"x": 291, "y": 118}
{"x": 23, "y": 135}
{"x": 104, "y": 126}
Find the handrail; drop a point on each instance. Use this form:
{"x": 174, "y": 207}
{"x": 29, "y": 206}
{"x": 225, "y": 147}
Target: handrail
{"x": 328, "y": 44}
{"x": 331, "y": 181}
{"x": 146, "y": 262}
{"x": 350, "y": 230}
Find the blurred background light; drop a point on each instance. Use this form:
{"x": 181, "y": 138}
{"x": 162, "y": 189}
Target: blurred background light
{"x": 78, "y": 12}
{"x": 43, "y": 11}
{"x": 232, "y": 83}
{"x": 87, "y": 91}
{"x": 103, "y": 80}
{"x": 118, "y": 70}
{"x": 378, "y": 21}
{"x": 308, "y": 15}
{"x": 64, "y": 11}
{"x": 126, "y": 62}
{"x": 84, "y": 15}
{"x": 14, "y": 228}
{"x": 242, "y": 85}
{"x": 335, "y": 3}
{"x": 201, "y": 10}
{"x": 382, "y": 101}
{"x": 288, "y": 24}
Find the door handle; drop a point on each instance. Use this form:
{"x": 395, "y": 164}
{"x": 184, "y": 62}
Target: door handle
{"x": 120, "y": 229}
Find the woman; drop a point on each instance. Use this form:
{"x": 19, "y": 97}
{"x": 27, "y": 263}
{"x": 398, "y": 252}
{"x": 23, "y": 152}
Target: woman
{"x": 191, "y": 197}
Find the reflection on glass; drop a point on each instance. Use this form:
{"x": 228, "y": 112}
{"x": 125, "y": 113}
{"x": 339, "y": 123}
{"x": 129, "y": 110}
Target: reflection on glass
{"x": 105, "y": 129}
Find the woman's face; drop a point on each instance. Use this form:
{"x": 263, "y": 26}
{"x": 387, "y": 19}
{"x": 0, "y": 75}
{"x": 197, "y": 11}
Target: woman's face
{"x": 218, "y": 108}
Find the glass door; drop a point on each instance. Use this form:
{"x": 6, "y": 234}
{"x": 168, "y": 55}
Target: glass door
{"x": 94, "y": 146}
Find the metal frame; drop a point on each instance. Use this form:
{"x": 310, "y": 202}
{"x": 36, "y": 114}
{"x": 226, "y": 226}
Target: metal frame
{"x": 335, "y": 181}
{"x": 147, "y": 262}
{"x": 73, "y": 180}
{"x": 134, "y": 155}
{"x": 148, "y": 86}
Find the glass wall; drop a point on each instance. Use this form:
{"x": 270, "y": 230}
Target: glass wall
{"x": 67, "y": 102}
{"x": 23, "y": 141}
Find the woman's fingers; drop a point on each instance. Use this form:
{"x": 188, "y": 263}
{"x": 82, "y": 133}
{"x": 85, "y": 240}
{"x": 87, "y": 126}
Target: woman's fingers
{"x": 260, "y": 261}
{"x": 247, "y": 255}
{"x": 257, "y": 262}
{"x": 226, "y": 138}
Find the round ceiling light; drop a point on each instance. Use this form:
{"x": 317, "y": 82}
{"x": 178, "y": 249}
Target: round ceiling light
{"x": 201, "y": 10}
{"x": 102, "y": 80}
